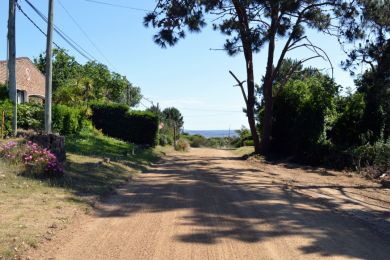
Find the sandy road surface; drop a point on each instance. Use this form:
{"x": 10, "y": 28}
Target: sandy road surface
{"x": 207, "y": 204}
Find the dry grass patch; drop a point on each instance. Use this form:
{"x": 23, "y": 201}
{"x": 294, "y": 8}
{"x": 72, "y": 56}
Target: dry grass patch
{"x": 32, "y": 210}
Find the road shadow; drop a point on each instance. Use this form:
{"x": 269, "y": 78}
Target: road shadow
{"x": 250, "y": 210}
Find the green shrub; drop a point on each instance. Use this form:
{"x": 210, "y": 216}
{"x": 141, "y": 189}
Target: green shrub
{"x": 31, "y": 116}
{"x": 302, "y": 112}
{"x": 244, "y": 134}
{"x": 347, "y": 130}
{"x": 117, "y": 121}
{"x": 68, "y": 120}
{"x": 182, "y": 145}
{"x": 6, "y": 107}
{"x": 198, "y": 141}
{"x": 4, "y": 94}
{"x": 375, "y": 157}
{"x": 248, "y": 143}
{"x": 165, "y": 140}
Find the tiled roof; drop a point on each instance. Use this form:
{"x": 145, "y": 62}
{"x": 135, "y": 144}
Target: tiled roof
{"x": 28, "y": 77}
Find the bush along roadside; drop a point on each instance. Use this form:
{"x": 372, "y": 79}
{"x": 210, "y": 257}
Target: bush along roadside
{"x": 117, "y": 121}
{"x": 38, "y": 162}
{"x": 66, "y": 120}
{"x": 372, "y": 161}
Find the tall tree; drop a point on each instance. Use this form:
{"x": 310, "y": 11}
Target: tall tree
{"x": 249, "y": 26}
{"x": 369, "y": 29}
{"x": 65, "y": 67}
{"x": 173, "y": 119}
{"x": 74, "y": 84}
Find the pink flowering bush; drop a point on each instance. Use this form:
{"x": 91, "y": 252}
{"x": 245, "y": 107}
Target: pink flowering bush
{"x": 38, "y": 160}
{"x": 11, "y": 152}
{"x": 42, "y": 160}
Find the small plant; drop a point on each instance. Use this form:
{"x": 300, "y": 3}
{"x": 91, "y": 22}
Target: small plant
{"x": 38, "y": 160}
{"x": 41, "y": 160}
{"x": 182, "y": 145}
{"x": 10, "y": 152}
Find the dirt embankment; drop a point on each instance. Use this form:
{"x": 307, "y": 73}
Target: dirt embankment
{"x": 208, "y": 204}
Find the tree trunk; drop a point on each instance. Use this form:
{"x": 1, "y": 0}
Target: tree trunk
{"x": 247, "y": 47}
{"x": 251, "y": 106}
{"x": 267, "y": 119}
{"x": 267, "y": 87}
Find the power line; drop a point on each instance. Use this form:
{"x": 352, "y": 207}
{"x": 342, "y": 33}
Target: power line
{"x": 36, "y": 26}
{"x": 85, "y": 34}
{"x": 65, "y": 37}
{"x": 149, "y": 100}
{"x": 143, "y": 105}
{"x": 62, "y": 34}
{"x": 211, "y": 110}
{"x": 118, "y": 6}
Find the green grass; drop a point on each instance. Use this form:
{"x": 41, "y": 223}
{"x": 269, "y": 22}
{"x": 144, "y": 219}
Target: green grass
{"x": 244, "y": 151}
{"x": 94, "y": 143}
{"x": 29, "y": 208}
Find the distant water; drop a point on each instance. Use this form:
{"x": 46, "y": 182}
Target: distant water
{"x": 212, "y": 133}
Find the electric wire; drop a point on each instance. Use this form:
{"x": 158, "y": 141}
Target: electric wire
{"x": 33, "y": 23}
{"x": 118, "y": 6}
{"x": 86, "y": 35}
{"x": 65, "y": 37}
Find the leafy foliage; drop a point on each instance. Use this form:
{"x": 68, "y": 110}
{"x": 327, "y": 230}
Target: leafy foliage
{"x": 3, "y": 92}
{"x": 76, "y": 84}
{"x": 173, "y": 122}
{"x": 244, "y": 135}
{"x": 6, "y": 107}
{"x": 66, "y": 120}
{"x": 304, "y": 109}
{"x": 249, "y": 26}
{"x": 31, "y": 116}
{"x": 347, "y": 130}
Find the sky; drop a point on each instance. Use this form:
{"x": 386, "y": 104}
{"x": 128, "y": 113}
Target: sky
{"x": 188, "y": 76}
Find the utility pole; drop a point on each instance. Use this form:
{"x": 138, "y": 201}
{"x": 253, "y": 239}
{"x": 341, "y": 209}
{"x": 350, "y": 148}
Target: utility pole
{"x": 12, "y": 66}
{"x": 49, "y": 70}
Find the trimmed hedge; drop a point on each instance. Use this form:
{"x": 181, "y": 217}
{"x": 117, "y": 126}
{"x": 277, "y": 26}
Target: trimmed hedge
{"x": 117, "y": 121}
{"x": 66, "y": 120}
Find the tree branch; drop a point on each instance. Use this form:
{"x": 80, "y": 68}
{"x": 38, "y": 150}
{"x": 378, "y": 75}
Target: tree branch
{"x": 241, "y": 85}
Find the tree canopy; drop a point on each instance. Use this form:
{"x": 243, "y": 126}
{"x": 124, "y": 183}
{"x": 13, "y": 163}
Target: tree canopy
{"x": 250, "y": 26}
{"x": 75, "y": 84}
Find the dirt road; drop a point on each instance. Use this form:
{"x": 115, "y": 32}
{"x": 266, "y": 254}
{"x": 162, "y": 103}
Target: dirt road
{"x": 208, "y": 204}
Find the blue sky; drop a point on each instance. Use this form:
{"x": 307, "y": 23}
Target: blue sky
{"x": 188, "y": 76}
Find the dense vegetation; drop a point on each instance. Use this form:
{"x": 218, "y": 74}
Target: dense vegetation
{"x": 116, "y": 120}
{"x": 66, "y": 120}
{"x": 301, "y": 112}
{"x": 171, "y": 124}
{"x": 76, "y": 84}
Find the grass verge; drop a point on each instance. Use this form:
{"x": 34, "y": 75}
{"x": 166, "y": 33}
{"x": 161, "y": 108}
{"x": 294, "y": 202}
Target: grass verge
{"x": 32, "y": 211}
{"x": 244, "y": 151}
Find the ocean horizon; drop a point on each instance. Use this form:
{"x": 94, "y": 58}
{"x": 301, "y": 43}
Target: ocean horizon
{"x": 212, "y": 133}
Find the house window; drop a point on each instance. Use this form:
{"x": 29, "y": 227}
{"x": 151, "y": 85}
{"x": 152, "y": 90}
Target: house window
{"x": 21, "y": 96}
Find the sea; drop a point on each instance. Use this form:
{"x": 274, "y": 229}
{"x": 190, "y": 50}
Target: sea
{"x": 212, "y": 133}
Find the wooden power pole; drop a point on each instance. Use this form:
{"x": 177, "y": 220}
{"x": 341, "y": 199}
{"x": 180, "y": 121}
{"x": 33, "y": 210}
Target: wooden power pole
{"x": 12, "y": 65}
{"x": 49, "y": 70}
